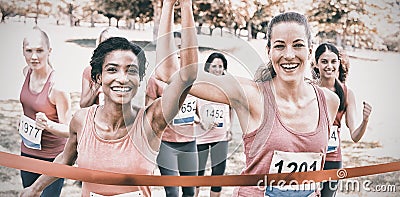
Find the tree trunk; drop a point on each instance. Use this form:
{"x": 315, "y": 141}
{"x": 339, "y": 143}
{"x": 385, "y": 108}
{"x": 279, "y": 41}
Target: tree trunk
{"x": 92, "y": 18}
{"x": 37, "y": 11}
{"x": 71, "y": 20}
{"x": 199, "y": 28}
{"x": 249, "y": 35}
{"x": 157, "y": 16}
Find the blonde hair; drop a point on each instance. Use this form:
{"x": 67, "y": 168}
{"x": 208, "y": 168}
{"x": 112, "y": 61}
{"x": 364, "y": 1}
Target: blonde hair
{"x": 43, "y": 35}
{"x": 107, "y": 33}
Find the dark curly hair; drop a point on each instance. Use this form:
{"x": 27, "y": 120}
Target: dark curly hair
{"x": 211, "y": 58}
{"x": 113, "y": 44}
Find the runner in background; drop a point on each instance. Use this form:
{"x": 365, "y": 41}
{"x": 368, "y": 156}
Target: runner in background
{"x": 331, "y": 69}
{"x": 47, "y": 109}
{"x": 91, "y": 92}
{"x": 214, "y": 130}
{"x": 178, "y": 150}
{"x": 117, "y": 136}
{"x": 284, "y": 119}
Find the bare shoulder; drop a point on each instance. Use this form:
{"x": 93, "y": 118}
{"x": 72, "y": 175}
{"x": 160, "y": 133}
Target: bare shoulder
{"x": 78, "y": 120}
{"x": 330, "y": 96}
{"x": 350, "y": 92}
{"x": 332, "y": 101}
{"x": 25, "y": 70}
{"x": 58, "y": 96}
{"x": 250, "y": 88}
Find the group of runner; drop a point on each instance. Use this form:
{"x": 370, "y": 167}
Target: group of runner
{"x": 288, "y": 123}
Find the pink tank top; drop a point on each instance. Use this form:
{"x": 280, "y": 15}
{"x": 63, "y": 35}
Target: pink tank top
{"x": 172, "y": 133}
{"x": 32, "y": 103}
{"x": 337, "y": 155}
{"x": 220, "y": 113}
{"x": 273, "y": 135}
{"x": 130, "y": 154}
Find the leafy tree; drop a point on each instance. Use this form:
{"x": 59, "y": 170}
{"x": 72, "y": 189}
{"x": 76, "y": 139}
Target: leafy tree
{"x": 112, "y": 9}
{"x": 42, "y": 7}
{"x": 343, "y": 22}
{"x": 7, "y": 8}
{"x": 217, "y": 14}
{"x": 141, "y": 11}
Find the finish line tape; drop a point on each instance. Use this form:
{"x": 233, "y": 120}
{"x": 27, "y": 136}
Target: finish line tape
{"x": 110, "y": 178}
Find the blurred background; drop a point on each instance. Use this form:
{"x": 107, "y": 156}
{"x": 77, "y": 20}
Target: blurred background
{"x": 365, "y": 24}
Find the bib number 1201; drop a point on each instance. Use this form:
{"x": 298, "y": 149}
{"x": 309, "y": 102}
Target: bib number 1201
{"x": 296, "y": 167}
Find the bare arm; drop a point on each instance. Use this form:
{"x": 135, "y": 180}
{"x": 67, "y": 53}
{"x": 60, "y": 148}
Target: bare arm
{"x": 163, "y": 110}
{"x": 90, "y": 90}
{"x": 68, "y": 157}
{"x": 166, "y": 57}
{"x": 151, "y": 91}
{"x": 25, "y": 70}
{"x": 332, "y": 101}
{"x": 351, "y": 117}
{"x": 234, "y": 91}
{"x": 62, "y": 102}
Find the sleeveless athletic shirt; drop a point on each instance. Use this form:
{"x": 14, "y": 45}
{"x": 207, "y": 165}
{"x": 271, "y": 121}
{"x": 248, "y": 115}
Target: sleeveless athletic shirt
{"x": 274, "y": 135}
{"x": 130, "y": 154}
{"x": 337, "y": 155}
{"x": 32, "y": 103}
{"x": 172, "y": 133}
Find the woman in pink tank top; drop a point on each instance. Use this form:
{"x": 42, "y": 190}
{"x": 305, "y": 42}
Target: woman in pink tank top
{"x": 331, "y": 70}
{"x": 283, "y": 118}
{"x": 46, "y": 109}
{"x": 118, "y": 137}
{"x": 214, "y": 130}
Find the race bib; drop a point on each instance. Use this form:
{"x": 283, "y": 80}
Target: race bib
{"x": 289, "y": 162}
{"x": 31, "y": 136}
{"x": 130, "y": 194}
{"x": 333, "y": 142}
{"x": 187, "y": 112}
{"x": 214, "y": 114}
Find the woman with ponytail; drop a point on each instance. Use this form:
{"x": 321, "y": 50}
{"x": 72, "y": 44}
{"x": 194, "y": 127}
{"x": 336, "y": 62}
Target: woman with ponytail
{"x": 332, "y": 71}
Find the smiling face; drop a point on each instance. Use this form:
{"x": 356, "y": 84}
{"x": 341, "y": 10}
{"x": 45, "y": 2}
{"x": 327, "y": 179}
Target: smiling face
{"x": 217, "y": 67}
{"x": 36, "y": 51}
{"x": 120, "y": 76}
{"x": 328, "y": 65}
{"x": 289, "y": 51}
